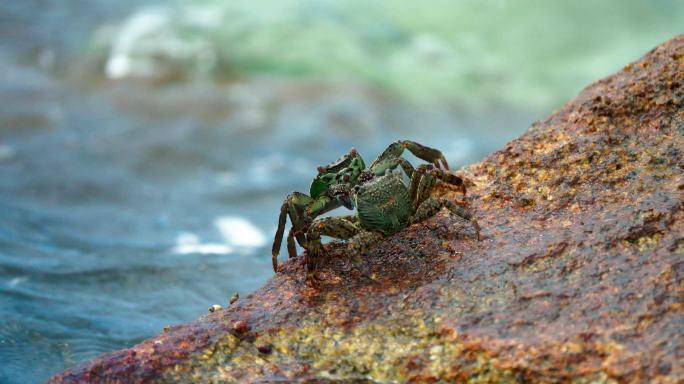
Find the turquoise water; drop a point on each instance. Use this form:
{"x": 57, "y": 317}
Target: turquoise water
{"x": 145, "y": 147}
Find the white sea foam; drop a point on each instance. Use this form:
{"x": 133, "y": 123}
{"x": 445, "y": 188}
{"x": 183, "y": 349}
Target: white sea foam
{"x": 240, "y": 232}
{"x": 187, "y": 243}
{"x": 154, "y": 40}
{"x": 120, "y": 63}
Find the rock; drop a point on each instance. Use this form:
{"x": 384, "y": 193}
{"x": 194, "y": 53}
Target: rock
{"x": 579, "y": 276}
{"x": 240, "y": 326}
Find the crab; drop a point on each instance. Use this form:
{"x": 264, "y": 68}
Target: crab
{"x": 385, "y": 205}
{"x": 329, "y": 189}
{"x": 302, "y": 208}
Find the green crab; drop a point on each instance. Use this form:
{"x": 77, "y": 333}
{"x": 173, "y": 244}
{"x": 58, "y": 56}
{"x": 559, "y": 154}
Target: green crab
{"x": 385, "y": 205}
{"x": 329, "y": 189}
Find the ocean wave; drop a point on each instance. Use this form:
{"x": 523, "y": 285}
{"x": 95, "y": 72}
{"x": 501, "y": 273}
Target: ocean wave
{"x": 427, "y": 50}
{"x": 189, "y": 243}
{"x": 240, "y": 232}
{"x": 237, "y": 233}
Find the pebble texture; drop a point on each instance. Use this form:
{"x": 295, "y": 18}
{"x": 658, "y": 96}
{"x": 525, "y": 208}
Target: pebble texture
{"x": 578, "y": 277}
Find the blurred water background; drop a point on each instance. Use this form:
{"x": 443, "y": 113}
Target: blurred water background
{"x": 146, "y": 146}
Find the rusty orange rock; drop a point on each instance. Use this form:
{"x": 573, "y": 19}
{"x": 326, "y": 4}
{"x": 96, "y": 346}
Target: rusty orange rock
{"x": 579, "y": 277}
{"x": 240, "y": 326}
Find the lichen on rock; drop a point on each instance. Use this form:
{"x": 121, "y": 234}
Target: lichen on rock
{"x": 578, "y": 277}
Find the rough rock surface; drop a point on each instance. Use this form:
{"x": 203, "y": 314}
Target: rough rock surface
{"x": 579, "y": 276}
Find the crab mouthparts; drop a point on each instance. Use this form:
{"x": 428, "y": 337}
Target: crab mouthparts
{"x": 346, "y": 201}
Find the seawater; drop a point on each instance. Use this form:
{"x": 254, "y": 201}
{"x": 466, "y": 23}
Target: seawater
{"x": 146, "y": 147}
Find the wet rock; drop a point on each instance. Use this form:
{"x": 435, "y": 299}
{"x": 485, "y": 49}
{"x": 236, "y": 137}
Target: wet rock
{"x": 240, "y": 326}
{"x": 578, "y": 278}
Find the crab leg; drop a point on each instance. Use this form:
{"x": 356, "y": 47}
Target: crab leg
{"x": 336, "y": 227}
{"x": 361, "y": 242}
{"x": 294, "y": 205}
{"x": 421, "y": 185}
{"x": 425, "y": 178}
{"x": 301, "y": 209}
{"x": 414, "y": 183}
{"x": 380, "y": 168}
{"x": 395, "y": 150}
{"x": 432, "y": 205}
{"x": 450, "y": 179}
{"x": 278, "y": 239}
{"x": 291, "y": 246}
